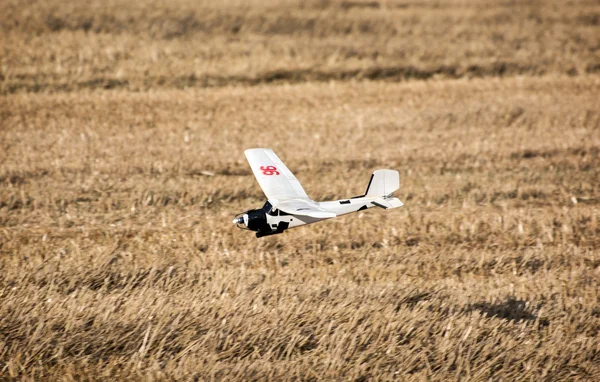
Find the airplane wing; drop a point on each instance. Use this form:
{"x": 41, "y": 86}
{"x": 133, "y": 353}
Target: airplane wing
{"x": 276, "y": 180}
{"x": 281, "y": 186}
{"x": 305, "y": 208}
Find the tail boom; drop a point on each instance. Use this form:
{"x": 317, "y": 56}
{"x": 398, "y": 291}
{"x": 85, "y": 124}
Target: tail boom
{"x": 379, "y": 194}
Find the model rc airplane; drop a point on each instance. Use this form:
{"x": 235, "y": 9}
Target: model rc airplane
{"x": 288, "y": 206}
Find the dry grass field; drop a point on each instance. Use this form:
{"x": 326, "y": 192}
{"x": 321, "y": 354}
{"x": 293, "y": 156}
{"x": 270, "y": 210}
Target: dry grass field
{"x": 122, "y": 130}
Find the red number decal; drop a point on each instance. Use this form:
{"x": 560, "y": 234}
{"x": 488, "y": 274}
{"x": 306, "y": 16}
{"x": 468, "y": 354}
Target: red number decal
{"x": 269, "y": 170}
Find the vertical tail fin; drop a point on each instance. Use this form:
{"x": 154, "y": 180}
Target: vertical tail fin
{"x": 383, "y": 183}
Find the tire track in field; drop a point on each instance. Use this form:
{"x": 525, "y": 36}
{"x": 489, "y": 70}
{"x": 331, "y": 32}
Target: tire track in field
{"x": 291, "y": 76}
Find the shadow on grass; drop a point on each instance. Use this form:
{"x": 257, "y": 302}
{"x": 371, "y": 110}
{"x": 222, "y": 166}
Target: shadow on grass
{"x": 511, "y": 309}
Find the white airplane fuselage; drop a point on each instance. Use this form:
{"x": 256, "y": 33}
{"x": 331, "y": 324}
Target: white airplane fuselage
{"x": 279, "y": 221}
{"x": 339, "y": 207}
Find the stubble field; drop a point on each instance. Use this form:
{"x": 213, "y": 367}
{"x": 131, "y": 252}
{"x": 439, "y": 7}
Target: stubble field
{"x": 122, "y": 130}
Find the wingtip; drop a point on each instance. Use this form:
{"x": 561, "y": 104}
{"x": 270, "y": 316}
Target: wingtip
{"x": 257, "y": 148}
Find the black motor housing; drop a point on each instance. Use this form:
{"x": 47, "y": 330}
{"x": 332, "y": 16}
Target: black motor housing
{"x": 257, "y": 221}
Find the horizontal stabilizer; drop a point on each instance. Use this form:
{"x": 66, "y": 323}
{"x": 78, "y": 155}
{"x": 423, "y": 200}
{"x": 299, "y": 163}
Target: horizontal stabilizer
{"x": 387, "y": 203}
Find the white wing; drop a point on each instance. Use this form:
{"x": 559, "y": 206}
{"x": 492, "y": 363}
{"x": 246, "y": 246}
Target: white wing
{"x": 305, "y": 208}
{"x": 276, "y": 181}
{"x": 281, "y": 186}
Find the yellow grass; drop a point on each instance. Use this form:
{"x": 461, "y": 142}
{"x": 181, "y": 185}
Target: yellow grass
{"x": 122, "y": 130}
